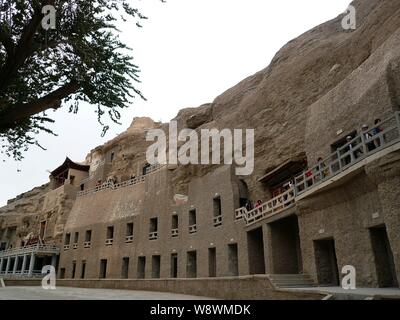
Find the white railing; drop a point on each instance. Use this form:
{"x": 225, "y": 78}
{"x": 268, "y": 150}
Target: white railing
{"x": 111, "y": 186}
{"x": 153, "y": 168}
{"x": 360, "y": 147}
{"x": 193, "y": 229}
{"x": 153, "y": 235}
{"x": 87, "y": 244}
{"x": 109, "y": 242}
{"x": 75, "y": 246}
{"x": 129, "y": 239}
{"x": 268, "y": 209}
{"x": 175, "y": 233}
{"x": 66, "y": 247}
{"x": 10, "y": 274}
{"x": 217, "y": 221}
{"x": 42, "y": 248}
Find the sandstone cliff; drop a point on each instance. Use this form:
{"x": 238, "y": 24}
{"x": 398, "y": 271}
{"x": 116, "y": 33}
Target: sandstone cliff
{"x": 306, "y": 76}
{"x": 275, "y": 101}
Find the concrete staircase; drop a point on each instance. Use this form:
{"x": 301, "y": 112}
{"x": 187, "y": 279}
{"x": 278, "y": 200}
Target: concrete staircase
{"x": 291, "y": 281}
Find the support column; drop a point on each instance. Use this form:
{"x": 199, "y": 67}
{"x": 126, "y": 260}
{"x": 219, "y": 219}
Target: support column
{"x": 24, "y": 264}
{"x": 54, "y": 260}
{"x": 15, "y": 264}
{"x": 1, "y": 264}
{"x": 32, "y": 264}
{"x": 8, "y": 264}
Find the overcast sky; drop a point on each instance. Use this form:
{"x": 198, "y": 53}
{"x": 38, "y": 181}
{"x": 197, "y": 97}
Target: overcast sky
{"x": 189, "y": 52}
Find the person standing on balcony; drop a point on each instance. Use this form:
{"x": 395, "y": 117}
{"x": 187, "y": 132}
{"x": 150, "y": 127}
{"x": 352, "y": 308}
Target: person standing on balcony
{"x": 259, "y": 205}
{"x": 367, "y": 136}
{"x": 349, "y": 149}
{"x": 249, "y": 205}
{"x": 322, "y": 168}
{"x": 377, "y": 130}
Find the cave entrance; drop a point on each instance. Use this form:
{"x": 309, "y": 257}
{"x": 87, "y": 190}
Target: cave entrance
{"x": 384, "y": 262}
{"x": 285, "y": 243}
{"x": 255, "y": 244}
{"x": 326, "y": 262}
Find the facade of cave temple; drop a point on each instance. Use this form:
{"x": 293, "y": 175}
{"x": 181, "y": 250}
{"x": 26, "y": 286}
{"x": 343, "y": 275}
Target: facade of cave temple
{"x": 327, "y": 175}
{"x": 91, "y": 223}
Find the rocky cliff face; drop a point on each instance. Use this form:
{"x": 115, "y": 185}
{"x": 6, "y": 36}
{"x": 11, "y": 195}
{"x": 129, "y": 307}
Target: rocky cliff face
{"x": 279, "y": 100}
{"x": 276, "y": 100}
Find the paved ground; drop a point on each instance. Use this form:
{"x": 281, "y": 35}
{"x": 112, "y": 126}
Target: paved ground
{"x": 365, "y": 292}
{"x": 64, "y": 293}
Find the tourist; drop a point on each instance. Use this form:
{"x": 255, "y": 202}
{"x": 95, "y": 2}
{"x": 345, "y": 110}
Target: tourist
{"x": 258, "y": 205}
{"x": 348, "y": 149}
{"x": 322, "y": 168}
{"x": 367, "y": 137}
{"x": 377, "y": 130}
{"x": 309, "y": 178}
{"x": 249, "y": 205}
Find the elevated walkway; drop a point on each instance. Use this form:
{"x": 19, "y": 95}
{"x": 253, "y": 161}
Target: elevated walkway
{"x": 21, "y": 262}
{"x": 333, "y": 171}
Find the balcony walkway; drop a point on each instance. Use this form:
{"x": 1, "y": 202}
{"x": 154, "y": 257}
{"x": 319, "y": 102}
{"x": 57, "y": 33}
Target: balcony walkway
{"x": 362, "y": 149}
{"x": 115, "y": 186}
{"x": 10, "y": 264}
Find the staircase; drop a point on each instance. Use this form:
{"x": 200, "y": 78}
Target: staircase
{"x": 291, "y": 281}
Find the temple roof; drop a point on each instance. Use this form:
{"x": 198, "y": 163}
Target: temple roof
{"x": 69, "y": 164}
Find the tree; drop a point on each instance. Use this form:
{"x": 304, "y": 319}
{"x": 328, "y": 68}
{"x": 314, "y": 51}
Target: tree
{"x": 81, "y": 60}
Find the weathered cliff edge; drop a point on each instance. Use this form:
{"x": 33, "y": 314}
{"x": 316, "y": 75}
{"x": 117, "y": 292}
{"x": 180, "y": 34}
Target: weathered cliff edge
{"x": 312, "y": 78}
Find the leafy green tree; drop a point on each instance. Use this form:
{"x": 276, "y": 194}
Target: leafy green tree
{"x": 81, "y": 60}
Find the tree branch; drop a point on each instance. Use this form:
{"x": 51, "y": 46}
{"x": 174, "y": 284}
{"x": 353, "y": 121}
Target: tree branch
{"x": 12, "y": 115}
{"x": 7, "y": 41}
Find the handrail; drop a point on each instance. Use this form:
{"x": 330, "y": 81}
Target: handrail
{"x": 359, "y": 148}
{"x": 112, "y": 186}
{"x": 267, "y": 209}
{"x": 30, "y": 249}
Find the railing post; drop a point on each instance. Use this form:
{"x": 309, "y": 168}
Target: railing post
{"x": 397, "y": 116}
{"x": 339, "y": 160}
{"x": 364, "y": 144}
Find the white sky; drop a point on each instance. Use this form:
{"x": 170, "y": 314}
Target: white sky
{"x": 189, "y": 52}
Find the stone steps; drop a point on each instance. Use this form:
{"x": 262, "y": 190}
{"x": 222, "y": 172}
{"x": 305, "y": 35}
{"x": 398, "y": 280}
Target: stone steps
{"x": 291, "y": 280}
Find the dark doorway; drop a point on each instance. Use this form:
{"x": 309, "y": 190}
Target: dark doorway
{"x": 233, "y": 264}
{"x": 285, "y": 243}
{"x": 384, "y": 262}
{"x": 141, "y": 270}
{"x": 156, "y": 267}
{"x": 255, "y": 243}
{"x": 103, "y": 269}
{"x": 73, "y": 269}
{"x": 83, "y": 270}
{"x": 326, "y": 262}
{"x": 125, "y": 268}
{"x": 191, "y": 265}
{"x": 174, "y": 265}
{"x": 212, "y": 262}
